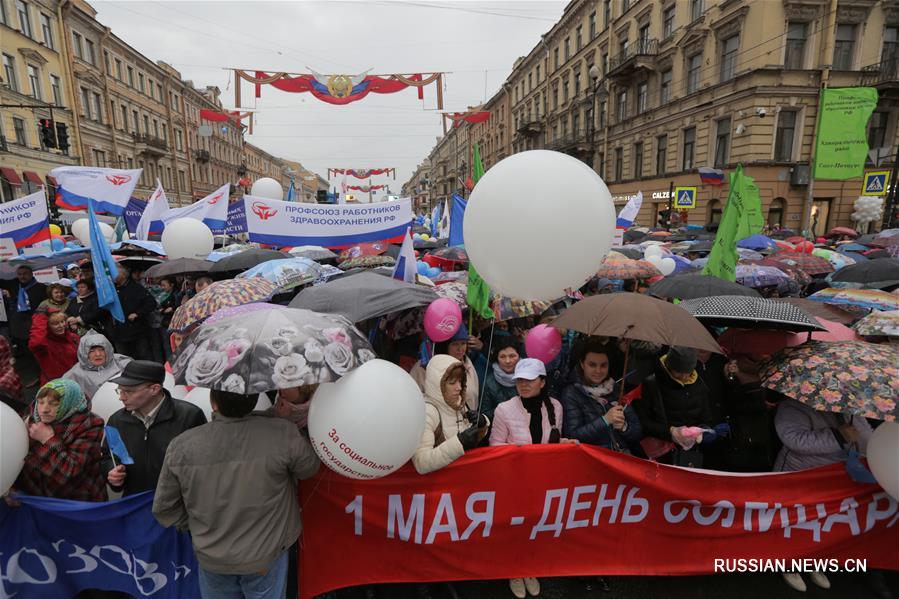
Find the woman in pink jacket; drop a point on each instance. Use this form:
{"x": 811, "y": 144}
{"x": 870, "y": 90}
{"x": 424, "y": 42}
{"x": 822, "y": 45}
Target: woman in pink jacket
{"x": 532, "y": 416}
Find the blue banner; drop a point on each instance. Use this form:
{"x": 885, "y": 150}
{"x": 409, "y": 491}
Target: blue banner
{"x": 457, "y": 215}
{"x": 237, "y": 218}
{"x": 53, "y": 548}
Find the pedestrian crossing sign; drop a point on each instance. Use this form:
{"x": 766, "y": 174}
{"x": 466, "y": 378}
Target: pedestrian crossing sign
{"x": 684, "y": 198}
{"x": 876, "y": 183}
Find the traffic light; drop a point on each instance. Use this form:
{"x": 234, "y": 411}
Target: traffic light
{"x": 48, "y": 136}
{"x": 62, "y": 136}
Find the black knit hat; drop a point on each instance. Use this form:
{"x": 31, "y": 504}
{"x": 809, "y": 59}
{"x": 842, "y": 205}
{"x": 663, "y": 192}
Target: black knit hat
{"x": 681, "y": 359}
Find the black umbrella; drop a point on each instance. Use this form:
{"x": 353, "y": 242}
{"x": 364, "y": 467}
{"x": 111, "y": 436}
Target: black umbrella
{"x": 693, "y": 286}
{"x": 874, "y": 274}
{"x": 246, "y": 260}
{"x": 632, "y": 253}
{"x": 634, "y": 235}
{"x": 178, "y": 266}
{"x": 363, "y": 296}
{"x": 750, "y": 313}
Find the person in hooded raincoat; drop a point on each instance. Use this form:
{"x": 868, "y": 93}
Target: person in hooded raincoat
{"x": 54, "y": 346}
{"x": 97, "y": 363}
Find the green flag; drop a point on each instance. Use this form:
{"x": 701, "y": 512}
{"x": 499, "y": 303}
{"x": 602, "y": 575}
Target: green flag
{"x": 478, "y": 289}
{"x": 842, "y": 141}
{"x": 742, "y": 217}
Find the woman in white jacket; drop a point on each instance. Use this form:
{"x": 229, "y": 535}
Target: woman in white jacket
{"x": 448, "y": 429}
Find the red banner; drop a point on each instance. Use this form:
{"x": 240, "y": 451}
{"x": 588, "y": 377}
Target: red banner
{"x": 551, "y": 510}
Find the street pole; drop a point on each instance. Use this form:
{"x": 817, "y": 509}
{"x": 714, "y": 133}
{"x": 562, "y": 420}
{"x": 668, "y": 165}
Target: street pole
{"x": 890, "y": 203}
{"x": 670, "y": 204}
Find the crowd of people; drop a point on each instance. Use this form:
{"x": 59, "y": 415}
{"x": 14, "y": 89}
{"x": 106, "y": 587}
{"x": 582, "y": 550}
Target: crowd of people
{"x": 480, "y": 389}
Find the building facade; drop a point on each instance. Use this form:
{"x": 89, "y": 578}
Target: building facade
{"x": 216, "y": 149}
{"x": 33, "y": 87}
{"x": 418, "y": 187}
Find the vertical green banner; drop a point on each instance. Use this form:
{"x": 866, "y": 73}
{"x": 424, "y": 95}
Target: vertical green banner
{"x": 842, "y": 140}
{"x": 742, "y": 217}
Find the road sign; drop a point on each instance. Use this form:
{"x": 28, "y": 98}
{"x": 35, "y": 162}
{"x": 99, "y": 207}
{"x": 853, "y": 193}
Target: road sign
{"x": 684, "y": 198}
{"x": 875, "y": 183}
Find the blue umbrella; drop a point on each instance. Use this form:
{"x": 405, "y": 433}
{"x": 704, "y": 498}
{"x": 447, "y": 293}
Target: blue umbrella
{"x": 852, "y": 247}
{"x": 681, "y": 264}
{"x": 287, "y": 273}
{"x": 757, "y": 242}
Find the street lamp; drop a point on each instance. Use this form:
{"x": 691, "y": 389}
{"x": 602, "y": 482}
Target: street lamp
{"x": 594, "y": 78}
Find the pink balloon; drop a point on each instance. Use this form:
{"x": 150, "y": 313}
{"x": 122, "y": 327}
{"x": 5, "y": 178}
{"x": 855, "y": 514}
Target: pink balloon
{"x": 442, "y": 319}
{"x": 543, "y": 342}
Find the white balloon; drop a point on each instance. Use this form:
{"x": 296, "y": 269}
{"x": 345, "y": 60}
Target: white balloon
{"x": 651, "y": 251}
{"x": 667, "y": 266}
{"x": 267, "y": 188}
{"x": 13, "y": 446}
{"x": 883, "y": 457}
{"x": 105, "y": 401}
{"x": 369, "y": 423}
{"x": 655, "y": 260}
{"x": 81, "y": 230}
{"x": 187, "y": 238}
{"x": 562, "y": 215}
{"x": 175, "y": 390}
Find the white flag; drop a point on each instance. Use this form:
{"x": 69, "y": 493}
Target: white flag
{"x": 406, "y": 266}
{"x": 110, "y": 188}
{"x": 157, "y": 208}
{"x": 212, "y": 210}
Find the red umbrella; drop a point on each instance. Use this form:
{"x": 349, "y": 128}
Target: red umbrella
{"x": 784, "y": 245}
{"x": 766, "y": 342}
{"x": 839, "y": 231}
{"x": 375, "y": 248}
{"x": 449, "y": 258}
{"x": 795, "y": 239}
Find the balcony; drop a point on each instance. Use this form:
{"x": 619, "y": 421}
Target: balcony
{"x": 148, "y": 144}
{"x": 574, "y": 143}
{"x": 639, "y": 57}
{"x": 883, "y": 75}
{"x": 201, "y": 155}
{"x": 530, "y": 127}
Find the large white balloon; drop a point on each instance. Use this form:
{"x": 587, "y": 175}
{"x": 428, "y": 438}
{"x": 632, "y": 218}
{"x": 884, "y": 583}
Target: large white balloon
{"x": 267, "y": 188}
{"x": 883, "y": 457}
{"x": 187, "y": 238}
{"x": 176, "y": 391}
{"x": 667, "y": 266}
{"x": 652, "y": 250}
{"x": 13, "y": 446}
{"x": 81, "y": 230}
{"x": 199, "y": 396}
{"x": 105, "y": 401}
{"x": 538, "y": 223}
{"x": 369, "y": 423}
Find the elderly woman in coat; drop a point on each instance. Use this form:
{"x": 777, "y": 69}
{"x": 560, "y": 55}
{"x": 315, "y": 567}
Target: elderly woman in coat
{"x": 810, "y": 439}
{"x": 97, "y": 363}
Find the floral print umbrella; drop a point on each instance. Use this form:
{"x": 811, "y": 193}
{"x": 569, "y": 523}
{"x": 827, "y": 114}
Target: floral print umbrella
{"x": 363, "y": 249}
{"x": 836, "y": 259}
{"x": 879, "y": 324}
{"x": 222, "y": 294}
{"x": 851, "y": 377}
{"x": 285, "y": 274}
{"x": 862, "y": 299}
{"x": 753, "y": 275}
{"x": 275, "y": 348}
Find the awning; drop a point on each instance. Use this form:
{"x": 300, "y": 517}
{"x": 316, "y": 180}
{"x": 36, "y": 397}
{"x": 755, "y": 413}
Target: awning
{"x": 11, "y": 176}
{"x": 34, "y": 178}
{"x": 52, "y": 181}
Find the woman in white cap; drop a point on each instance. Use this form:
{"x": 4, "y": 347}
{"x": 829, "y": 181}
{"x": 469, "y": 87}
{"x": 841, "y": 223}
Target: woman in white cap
{"x": 532, "y": 416}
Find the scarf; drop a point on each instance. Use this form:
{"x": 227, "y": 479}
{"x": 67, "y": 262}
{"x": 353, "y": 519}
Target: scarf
{"x": 10, "y": 383}
{"x": 296, "y": 413}
{"x": 23, "y": 302}
{"x": 502, "y": 377}
{"x": 694, "y": 376}
{"x": 88, "y": 376}
{"x": 600, "y": 391}
{"x": 533, "y": 405}
{"x": 71, "y": 399}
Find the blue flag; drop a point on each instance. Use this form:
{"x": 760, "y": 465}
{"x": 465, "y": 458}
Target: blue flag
{"x": 117, "y": 446}
{"x": 457, "y": 214}
{"x": 291, "y": 192}
{"x": 105, "y": 270}
{"x": 435, "y": 221}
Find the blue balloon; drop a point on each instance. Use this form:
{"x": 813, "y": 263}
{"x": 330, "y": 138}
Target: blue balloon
{"x": 433, "y": 272}
{"x": 416, "y": 236}
{"x": 423, "y": 268}
{"x": 57, "y": 244}
{"x": 73, "y": 245}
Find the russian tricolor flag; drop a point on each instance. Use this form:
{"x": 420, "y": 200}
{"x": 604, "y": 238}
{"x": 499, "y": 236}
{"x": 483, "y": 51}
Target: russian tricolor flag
{"x": 25, "y": 220}
{"x": 711, "y": 176}
{"x": 109, "y": 188}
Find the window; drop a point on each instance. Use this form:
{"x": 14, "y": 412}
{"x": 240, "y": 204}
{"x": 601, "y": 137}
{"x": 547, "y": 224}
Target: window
{"x": 877, "y": 132}
{"x": 99, "y": 158}
{"x": 605, "y": 63}
{"x": 602, "y": 164}
{"x": 56, "y": 90}
{"x": 603, "y": 107}
{"x": 776, "y": 213}
{"x": 619, "y": 163}
{"x": 643, "y": 38}
{"x": 34, "y": 81}
{"x": 140, "y": 83}
{"x": 714, "y": 214}
{"x": 18, "y": 126}
{"x": 592, "y": 24}
{"x": 24, "y": 19}
{"x": 178, "y": 140}
{"x": 98, "y": 110}
{"x": 622, "y": 105}
{"x": 106, "y": 64}
{"x": 150, "y": 86}
{"x": 118, "y": 69}
{"x": 661, "y": 154}
{"x": 78, "y": 44}
{"x": 722, "y": 143}
{"x": 665, "y": 87}
{"x": 625, "y": 5}
{"x": 9, "y": 72}
{"x": 555, "y": 98}
{"x": 565, "y": 91}
{"x": 890, "y": 52}
{"x": 124, "y": 121}
{"x": 638, "y": 160}
{"x": 530, "y": 82}
{"x": 135, "y": 122}
{"x": 47, "y": 31}
{"x": 668, "y": 22}
{"x": 844, "y": 50}
{"x": 182, "y": 181}
{"x": 3, "y": 18}
{"x": 537, "y": 76}
{"x": 575, "y": 123}
{"x": 697, "y": 7}
{"x": 783, "y": 139}
{"x": 689, "y": 148}
{"x": 90, "y": 55}
{"x": 577, "y": 38}
{"x": 794, "y": 56}
{"x": 131, "y": 76}
{"x": 567, "y": 48}
{"x": 146, "y": 125}
{"x": 85, "y": 102}
{"x": 642, "y": 94}
{"x": 694, "y": 65}
{"x": 606, "y": 12}
{"x": 729, "y": 48}
{"x": 577, "y": 84}
{"x": 556, "y": 58}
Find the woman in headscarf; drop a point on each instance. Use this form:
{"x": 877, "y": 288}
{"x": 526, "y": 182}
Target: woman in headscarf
{"x": 97, "y": 363}
{"x": 64, "y": 452}
{"x": 499, "y": 385}
{"x": 10, "y": 383}
{"x": 57, "y": 299}
{"x": 54, "y": 346}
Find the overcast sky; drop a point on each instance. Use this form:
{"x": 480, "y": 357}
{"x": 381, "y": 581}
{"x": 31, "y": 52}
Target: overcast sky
{"x": 475, "y": 42}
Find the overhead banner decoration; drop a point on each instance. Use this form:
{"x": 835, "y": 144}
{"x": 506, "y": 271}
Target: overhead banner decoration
{"x": 362, "y": 173}
{"x": 228, "y": 116}
{"x": 582, "y": 510}
{"x": 53, "y": 549}
{"x": 25, "y": 221}
{"x": 212, "y": 210}
{"x": 289, "y": 224}
{"x": 842, "y": 139}
{"x": 366, "y": 188}
{"x": 742, "y": 217}
{"x": 110, "y": 188}
{"x": 471, "y": 117}
{"x": 339, "y": 89}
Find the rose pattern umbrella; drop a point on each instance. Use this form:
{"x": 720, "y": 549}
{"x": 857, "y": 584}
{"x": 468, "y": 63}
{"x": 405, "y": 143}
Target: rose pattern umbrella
{"x": 864, "y": 299}
{"x": 851, "y": 377}
{"x": 274, "y": 348}
{"x": 222, "y": 294}
{"x": 285, "y": 274}
{"x": 879, "y": 324}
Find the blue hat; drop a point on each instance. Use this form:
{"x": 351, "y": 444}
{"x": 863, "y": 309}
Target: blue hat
{"x": 461, "y": 334}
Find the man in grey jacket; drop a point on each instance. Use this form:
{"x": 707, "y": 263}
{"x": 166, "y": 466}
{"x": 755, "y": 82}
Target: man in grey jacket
{"x": 233, "y": 484}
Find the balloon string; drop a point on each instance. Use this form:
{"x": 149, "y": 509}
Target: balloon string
{"x": 487, "y": 372}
